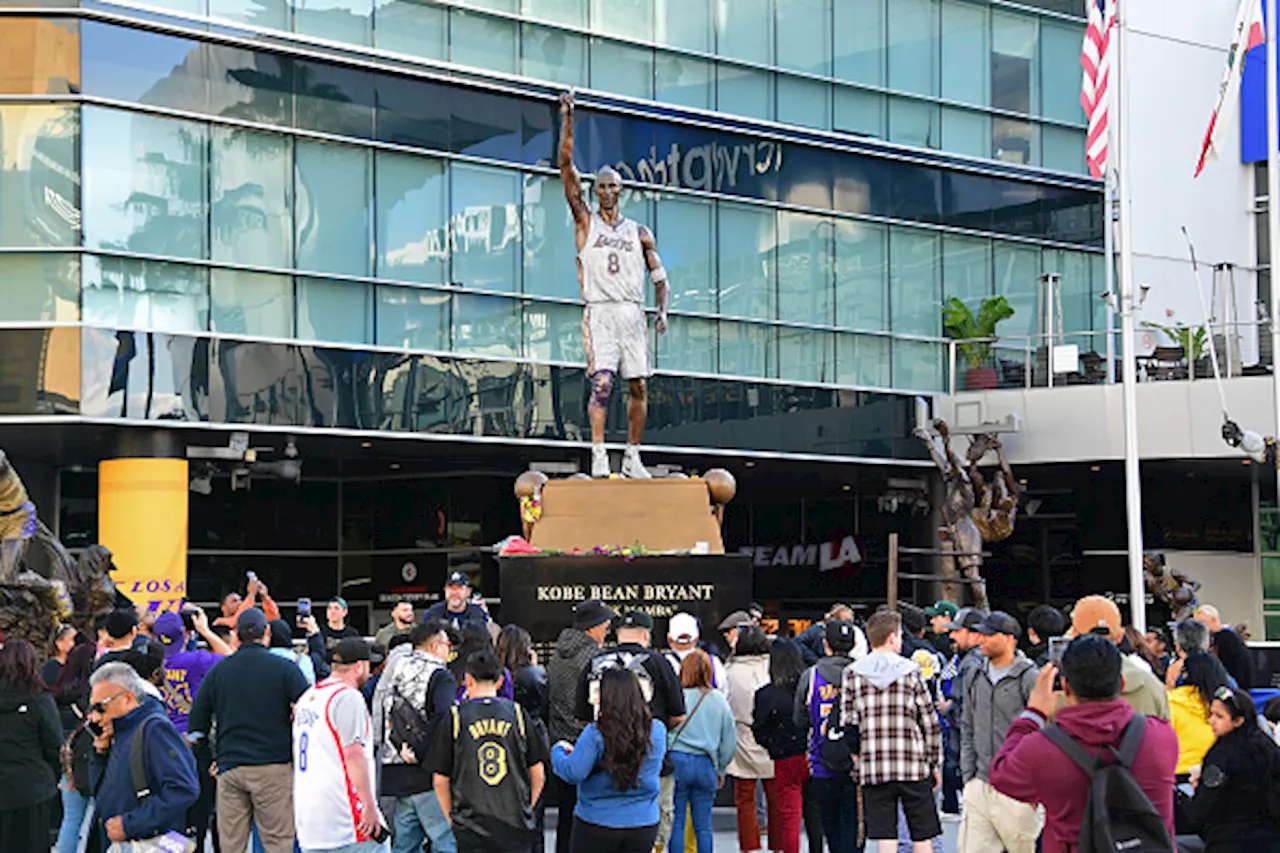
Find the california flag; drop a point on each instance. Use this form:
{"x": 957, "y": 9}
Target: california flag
{"x": 1248, "y": 34}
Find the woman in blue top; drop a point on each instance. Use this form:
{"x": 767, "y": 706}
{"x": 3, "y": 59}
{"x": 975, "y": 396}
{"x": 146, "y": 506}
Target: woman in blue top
{"x": 701, "y": 748}
{"x": 615, "y": 764}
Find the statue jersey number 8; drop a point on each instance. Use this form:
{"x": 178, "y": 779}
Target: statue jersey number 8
{"x": 613, "y": 263}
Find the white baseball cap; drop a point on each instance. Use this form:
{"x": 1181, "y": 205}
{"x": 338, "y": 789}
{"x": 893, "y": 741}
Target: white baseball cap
{"x": 683, "y": 627}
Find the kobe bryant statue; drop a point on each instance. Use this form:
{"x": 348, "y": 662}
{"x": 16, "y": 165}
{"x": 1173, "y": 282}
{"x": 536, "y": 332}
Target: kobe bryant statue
{"x": 614, "y": 253}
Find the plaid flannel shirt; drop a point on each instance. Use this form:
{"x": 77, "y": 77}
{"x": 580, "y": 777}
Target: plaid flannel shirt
{"x": 901, "y": 738}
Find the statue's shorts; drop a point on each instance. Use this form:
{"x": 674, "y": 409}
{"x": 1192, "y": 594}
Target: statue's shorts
{"x": 616, "y": 338}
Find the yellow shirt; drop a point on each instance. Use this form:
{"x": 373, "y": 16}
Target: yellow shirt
{"x": 1191, "y": 723}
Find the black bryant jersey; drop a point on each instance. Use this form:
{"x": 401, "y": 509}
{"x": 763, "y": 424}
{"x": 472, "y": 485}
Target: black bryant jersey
{"x": 486, "y": 751}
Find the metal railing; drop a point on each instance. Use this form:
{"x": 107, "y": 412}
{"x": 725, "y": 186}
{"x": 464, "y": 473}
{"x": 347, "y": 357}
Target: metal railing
{"x": 1087, "y": 358}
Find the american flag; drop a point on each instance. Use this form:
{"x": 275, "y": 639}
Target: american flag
{"x": 1095, "y": 58}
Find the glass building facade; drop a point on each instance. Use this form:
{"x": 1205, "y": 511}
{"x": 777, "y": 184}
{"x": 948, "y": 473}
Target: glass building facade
{"x": 212, "y": 186}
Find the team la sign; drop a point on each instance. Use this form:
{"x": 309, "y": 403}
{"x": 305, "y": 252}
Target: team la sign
{"x": 826, "y": 557}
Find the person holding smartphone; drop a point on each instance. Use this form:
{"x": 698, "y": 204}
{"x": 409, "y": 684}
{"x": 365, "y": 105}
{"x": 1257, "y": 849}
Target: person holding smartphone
{"x": 256, "y": 595}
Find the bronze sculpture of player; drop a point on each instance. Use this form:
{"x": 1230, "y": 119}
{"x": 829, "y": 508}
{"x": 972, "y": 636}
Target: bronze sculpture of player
{"x": 614, "y": 255}
{"x": 960, "y": 534}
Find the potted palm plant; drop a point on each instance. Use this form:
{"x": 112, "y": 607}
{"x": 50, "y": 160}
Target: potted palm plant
{"x": 975, "y": 336}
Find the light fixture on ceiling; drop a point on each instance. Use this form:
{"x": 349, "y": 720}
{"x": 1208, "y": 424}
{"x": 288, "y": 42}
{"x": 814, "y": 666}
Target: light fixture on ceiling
{"x": 750, "y": 463}
{"x": 846, "y": 487}
{"x": 1095, "y": 468}
{"x": 395, "y": 466}
{"x": 366, "y": 444}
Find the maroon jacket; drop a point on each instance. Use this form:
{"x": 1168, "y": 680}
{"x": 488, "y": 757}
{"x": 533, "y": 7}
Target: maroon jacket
{"x": 1031, "y": 769}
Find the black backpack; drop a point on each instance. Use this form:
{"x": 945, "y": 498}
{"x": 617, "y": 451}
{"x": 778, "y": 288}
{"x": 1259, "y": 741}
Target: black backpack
{"x": 1118, "y": 815}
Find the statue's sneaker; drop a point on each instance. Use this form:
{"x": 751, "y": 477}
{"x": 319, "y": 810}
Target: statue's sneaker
{"x": 632, "y": 467}
{"x": 600, "y": 463}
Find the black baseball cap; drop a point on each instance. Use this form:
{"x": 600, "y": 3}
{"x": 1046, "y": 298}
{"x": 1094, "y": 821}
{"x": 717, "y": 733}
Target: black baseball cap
{"x": 998, "y": 622}
{"x": 840, "y": 635}
{"x": 353, "y": 650}
{"x": 458, "y": 579}
{"x": 120, "y": 622}
{"x": 251, "y": 624}
{"x": 590, "y": 613}
{"x": 637, "y": 619}
{"x": 967, "y": 619}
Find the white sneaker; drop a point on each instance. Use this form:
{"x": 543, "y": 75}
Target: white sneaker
{"x": 632, "y": 467}
{"x": 600, "y": 462}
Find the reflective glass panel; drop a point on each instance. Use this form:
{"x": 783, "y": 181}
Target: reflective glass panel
{"x": 412, "y": 214}
{"x": 1076, "y": 291}
{"x": 914, "y": 123}
{"x": 333, "y": 99}
{"x": 806, "y": 355}
{"x": 146, "y": 191}
{"x": 550, "y": 247}
{"x": 40, "y": 287}
{"x": 1018, "y": 280}
{"x": 486, "y": 325}
{"x": 621, "y": 69}
{"x": 335, "y": 311}
{"x": 40, "y": 177}
{"x": 915, "y": 286}
{"x": 413, "y": 318}
{"x": 498, "y": 5}
{"x": 147, "y": 68}
{"x": 252, "y": 198}
{"x": 553, "y": 54}
{"x": 689, "y": 344}
{"x": 332, "y": 214}
{"x": 481, "y": 41}
{"x": 859, "y": 34}
{"x": 486, "y": 227}
{"x": 918, "y": 366}
{"x": 748, "y": 349}
{"x": 806, "y": 269}
{"x": 966, "y": 132}
{"x": 123, "y": 293}
{"x": 966, "y": 270}
{"x": 745, "y": 30}
{"x": 685, "y": 23}
{"x": 744, "y": 91}
{"x": 965, "y": 47}
{"x": 1014, "y": 62}
{"x": 41, "y": 56}
{"x": 804, "y": 42}
{"x": 553, "y": 332}
{"x": 570, "y": 12}
{"x": 246, "y": 303}
{"x": 632, "y": 19}
{"x": 913, "y": 46}
{"x": 747, "y": 261}
{"x": 271, "y": 14}
{"x": 862, "y": 276}
{"x": 345, "y": 21}
{"x": 413, "y": 27}
{"x": 685, "y": 81}
{"x": 1063, "y": 149}
{"x": 1014, "y": 140}
{"x": 251, "y": 85}
{"x": 804, "y": 102}
{"x": 1059, "y": 57}
{"x": 859, "y": 111}
{"x": 685, "y": 232}
{"x": 862, "y": 360}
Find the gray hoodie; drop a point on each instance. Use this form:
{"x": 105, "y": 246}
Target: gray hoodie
{"x": 989, "y": 710}
{"x": 832, "y": 669}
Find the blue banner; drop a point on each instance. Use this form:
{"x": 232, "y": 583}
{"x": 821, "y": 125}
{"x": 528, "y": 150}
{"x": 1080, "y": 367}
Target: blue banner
{"x": 1253, "y": 102}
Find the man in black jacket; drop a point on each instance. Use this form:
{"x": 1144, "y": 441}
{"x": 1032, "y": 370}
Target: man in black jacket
{"x": 250, "y": 697}
{"x": 574, "y": 647}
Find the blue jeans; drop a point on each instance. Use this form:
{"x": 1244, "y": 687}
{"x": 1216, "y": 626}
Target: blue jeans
{"x": 358, "y": 847}
{"x": 838, "y": 804}
{"x": 696, "y": 783}
{"x": 419, "y": 818}
{"x": 75, "y": 808}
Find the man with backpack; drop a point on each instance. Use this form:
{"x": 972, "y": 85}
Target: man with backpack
{"x": 995, "y": 695}
{"x": 817, "y": 700}
{"x": 410, "y": 703}
{"x": 1131, "y": 758}
{"x": 141, "y": 772}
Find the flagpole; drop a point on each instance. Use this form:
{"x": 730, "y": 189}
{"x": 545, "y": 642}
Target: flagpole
{"x": 1128, "y": 340}
{"x": 1273, "y": 206}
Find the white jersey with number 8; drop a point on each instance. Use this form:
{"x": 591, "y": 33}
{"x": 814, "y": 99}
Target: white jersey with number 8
{"x": 326, "y": 808}
{"x": 613, "y": 264}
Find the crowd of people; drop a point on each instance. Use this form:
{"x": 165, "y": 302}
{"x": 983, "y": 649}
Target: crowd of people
{"x": 447, "y": 733}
